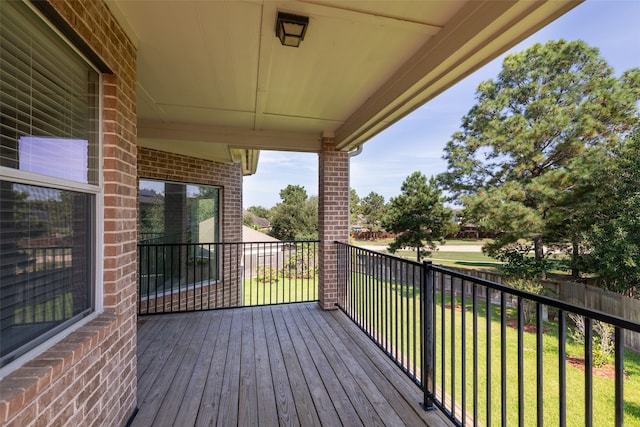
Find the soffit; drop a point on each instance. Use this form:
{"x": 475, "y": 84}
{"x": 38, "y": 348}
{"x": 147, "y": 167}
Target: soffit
{"x": 214, "y": 81}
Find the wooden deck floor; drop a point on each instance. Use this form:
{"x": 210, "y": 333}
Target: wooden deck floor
{"x": 279, "y": 365}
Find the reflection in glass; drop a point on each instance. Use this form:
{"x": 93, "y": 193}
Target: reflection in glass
{"x": 45, "y": 258}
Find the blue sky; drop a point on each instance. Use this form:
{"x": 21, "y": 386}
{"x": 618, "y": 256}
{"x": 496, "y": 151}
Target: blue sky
{"x": 416, "y": 142}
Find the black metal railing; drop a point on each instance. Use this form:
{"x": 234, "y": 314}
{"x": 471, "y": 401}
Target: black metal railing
{"x": 484, "y": 353}
{"x": 179, "y": 277}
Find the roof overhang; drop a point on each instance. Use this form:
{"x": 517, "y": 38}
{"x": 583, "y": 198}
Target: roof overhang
{"x": 214, "y": 81}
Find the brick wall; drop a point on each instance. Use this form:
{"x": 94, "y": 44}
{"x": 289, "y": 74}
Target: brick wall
{"x": 165, "y": 166}
{"x": 89, "y": 377}
{"x": 333, "y": 218}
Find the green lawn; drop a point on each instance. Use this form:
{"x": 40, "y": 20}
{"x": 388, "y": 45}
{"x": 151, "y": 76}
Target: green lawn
{"x": 57, "y": 308}
{"x": 452, "y": 242}
{"x": 392, "y": 323}
{"x": 280, "y": 290}
{"x": 474, "y": 260}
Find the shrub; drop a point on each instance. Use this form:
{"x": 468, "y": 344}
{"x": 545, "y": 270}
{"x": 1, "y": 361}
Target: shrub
{"x": 267, "y": 274}
{"x": 603, "y": 339}
{"x": 528, "y": 285}
{"x": 518, "y": 264}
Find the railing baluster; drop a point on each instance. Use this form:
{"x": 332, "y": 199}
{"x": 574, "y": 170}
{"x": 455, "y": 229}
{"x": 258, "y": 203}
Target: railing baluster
{"x": 401, "y": 309}
{"x": 562, "y": 367}
{"x": 463, "y": 368}
{"x": 539, "y": 365}
{"x": 443, "y": 385}
{"x": 588, "y": 371}
{"x": 619, "y": 375}
{"x": 427, "y": 300}
{"x": 520, "y": 361}
{"x": 379, "y": 292}
{"x": 487, "y": 293}
{"x": 503, "y": 357}
{"x": 416, "y": 271}
{"x": 453, "y": 347}
{"x": 474, "y": 298}
{"x": 446, "y": 371}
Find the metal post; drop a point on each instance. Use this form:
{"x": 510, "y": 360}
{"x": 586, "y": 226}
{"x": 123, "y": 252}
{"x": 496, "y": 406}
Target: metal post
{"x": 427, "y": 302}
{"x": 619, "y": 375}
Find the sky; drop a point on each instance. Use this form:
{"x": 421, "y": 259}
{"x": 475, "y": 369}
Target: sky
{"x": 416, "y": 143}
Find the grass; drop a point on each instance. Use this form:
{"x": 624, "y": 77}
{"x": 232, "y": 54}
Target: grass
{"x": 474, "y": 260}
{"x": 57, "y": 308}
{"x": 279, "y": 290}
{"x": 391, "y": 324}
{"x": 452, "y": 242}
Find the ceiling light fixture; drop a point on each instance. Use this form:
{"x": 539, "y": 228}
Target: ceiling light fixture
{"x": 290, "y": 28}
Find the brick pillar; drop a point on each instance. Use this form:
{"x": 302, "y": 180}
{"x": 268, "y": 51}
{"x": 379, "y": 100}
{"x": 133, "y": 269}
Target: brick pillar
{"x": 333, "y": 217}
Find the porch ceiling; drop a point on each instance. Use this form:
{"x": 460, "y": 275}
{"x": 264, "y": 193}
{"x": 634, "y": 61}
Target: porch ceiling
{"x": 214, "y": 81}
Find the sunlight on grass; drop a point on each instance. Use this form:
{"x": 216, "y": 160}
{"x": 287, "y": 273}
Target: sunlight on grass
{"x": 391, "y": 313}
{"x": 58, "y": 308}
{"x": 279, "y": 290}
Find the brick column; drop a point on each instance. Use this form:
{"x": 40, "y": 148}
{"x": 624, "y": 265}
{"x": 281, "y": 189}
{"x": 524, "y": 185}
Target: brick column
{"x": 333, "y": 217}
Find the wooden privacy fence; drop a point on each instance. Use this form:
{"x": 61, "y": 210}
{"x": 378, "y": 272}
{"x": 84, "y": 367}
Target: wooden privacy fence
{"x": 586, "y": 296}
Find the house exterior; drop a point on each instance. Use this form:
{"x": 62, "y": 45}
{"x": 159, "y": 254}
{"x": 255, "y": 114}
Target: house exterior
{"x": 97, "y": 95}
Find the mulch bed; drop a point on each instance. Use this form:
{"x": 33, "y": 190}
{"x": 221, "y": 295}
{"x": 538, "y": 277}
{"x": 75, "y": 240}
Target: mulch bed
{"x": 606, "y": 371}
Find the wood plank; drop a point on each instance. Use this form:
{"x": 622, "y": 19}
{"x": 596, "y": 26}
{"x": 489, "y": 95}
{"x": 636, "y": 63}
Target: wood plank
{"x": 146, "y": 330}
{"x": 322, "y": 401}
{"x": 357, "y": 395}
{"x": 401, "y": 391}
{"x": 340, "y": 401}
{"x": 228, "y": 413}
{"x": 302, "y": 397}
{"x": 168, "y": 411}
{"x": 161, "y": 383}
{"x": 267, "y": 413}
{"x": 157, "y": 353}
{"x": 247, "y": 393}
{"x": 151, "y": 341}
{"x": 277, "y": 365}
{"x": 210, "y": 404}
{"x": 188, "y": 411}
{"x": 287, "y": 415}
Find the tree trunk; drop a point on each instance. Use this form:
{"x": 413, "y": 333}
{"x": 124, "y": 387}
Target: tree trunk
{"x": 418, "y": 252}
{"x": 575, "y": 272}
{"x": 538, "y": 247}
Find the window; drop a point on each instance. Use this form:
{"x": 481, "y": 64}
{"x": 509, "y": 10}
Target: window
{"x": 49, "y": 157}
{"x": 178, "y": 223}
{"x": 178, "y": 213}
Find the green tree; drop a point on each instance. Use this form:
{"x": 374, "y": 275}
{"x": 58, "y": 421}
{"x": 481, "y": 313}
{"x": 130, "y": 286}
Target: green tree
{"x": 418, "y": 214}
{"x": 613, "y": 231}
{"x": 373, "y": 210}
{"x": 296, "y": 217}
{"x": 354, "y": 206}
{"x": 549, "y": 104}
{"x": 260, "y": 211}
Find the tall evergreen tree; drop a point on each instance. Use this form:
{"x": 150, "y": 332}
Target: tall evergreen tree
{"x": 418, "y": 214}
{"x": 373, "y": 209}
{"x": 549, "y": 105}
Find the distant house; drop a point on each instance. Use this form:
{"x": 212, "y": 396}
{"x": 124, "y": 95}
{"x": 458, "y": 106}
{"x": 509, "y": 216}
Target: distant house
{"x": 251, "y": 235}
{"x": 261, "y": 223}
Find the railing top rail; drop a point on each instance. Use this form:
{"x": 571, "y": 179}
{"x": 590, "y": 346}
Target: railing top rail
{"x": 381, "y": 254}
{"x": 279, "y": 242}
{"x": 551, "y": 302}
